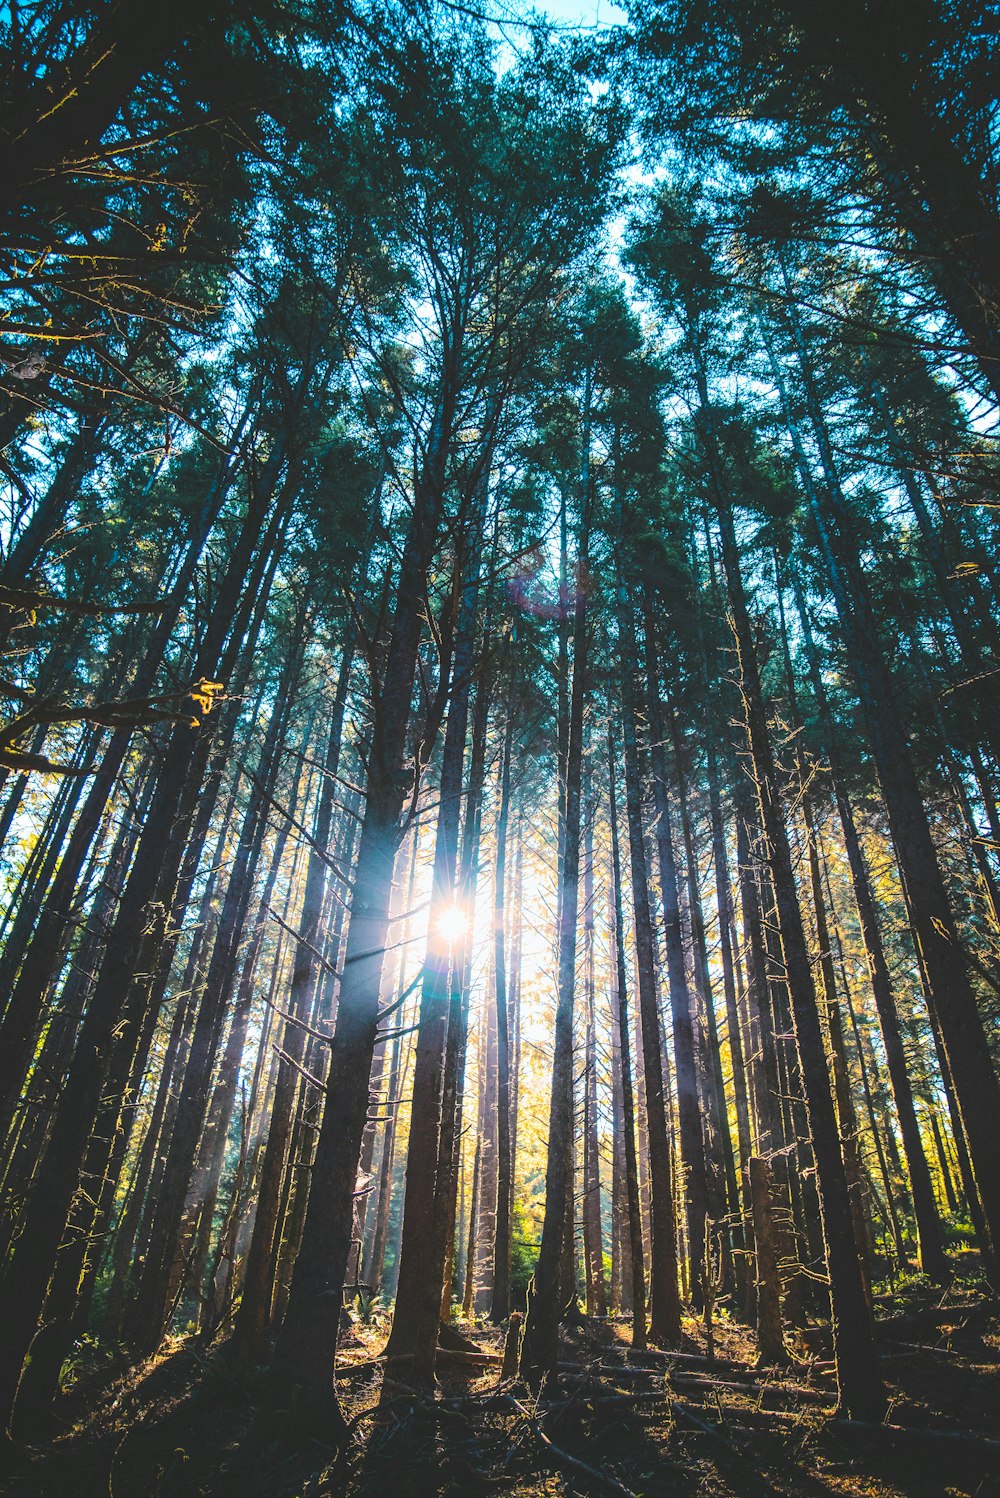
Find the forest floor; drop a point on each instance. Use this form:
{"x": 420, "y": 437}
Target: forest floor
{"x": 683, "y": 1423}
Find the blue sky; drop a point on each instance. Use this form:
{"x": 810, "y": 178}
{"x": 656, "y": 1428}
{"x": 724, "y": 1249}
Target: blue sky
{"x": 583, "y": 12}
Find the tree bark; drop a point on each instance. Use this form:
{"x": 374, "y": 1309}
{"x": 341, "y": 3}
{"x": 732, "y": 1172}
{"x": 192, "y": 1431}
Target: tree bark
{"x": 634, "y": 1275}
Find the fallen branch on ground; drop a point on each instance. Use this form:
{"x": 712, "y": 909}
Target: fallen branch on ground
{"x": 564, "y": 1459}
{"x": 943, "y": 1442}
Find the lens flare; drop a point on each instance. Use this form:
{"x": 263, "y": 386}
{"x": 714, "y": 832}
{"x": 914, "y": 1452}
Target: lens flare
{"x": 451, "y": 924}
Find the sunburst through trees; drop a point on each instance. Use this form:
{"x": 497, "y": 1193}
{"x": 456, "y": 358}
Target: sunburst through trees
{"x": 501, "y": 849}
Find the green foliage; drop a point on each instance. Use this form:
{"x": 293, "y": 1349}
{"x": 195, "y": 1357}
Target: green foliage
{"x": 370, "y": 1310}
{"x": 524, "y": 1255}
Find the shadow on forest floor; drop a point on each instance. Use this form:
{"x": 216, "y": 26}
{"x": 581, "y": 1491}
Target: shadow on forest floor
{"x": 187, "y": 1424}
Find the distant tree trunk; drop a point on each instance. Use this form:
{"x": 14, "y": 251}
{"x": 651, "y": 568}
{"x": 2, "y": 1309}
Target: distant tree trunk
{"x": 149, "y": 1180}
{"x": 365, "y": 1163}
{"x": 620, "y": 1290}
{"x": 846, "y": 1113}
{"x": 514, "y": 1003}
{"x": 665, "y": 1308}
{"x": 374, "y": 1260}
{"x": 723, "y": 1191}
{"x": 453, "y": 1093}
{"x": 144, "y": 1178}
{"x": 206, "y": 1181}
{"x": 633, "y": 1270}
{"x": 253, "y": 1317}
{"x": 861, "y": 1392}
{"x": 307, "y": 1340}
{"x": 155, "y": 1291}
{"x": 860, "y": 1386}
{"x": 944, "y": 1165}
{"x": 488, "y": 1175}
{"x": 593, "y": 1245}
{"x": 540, "y": 1341}
{"x": 930, "y": 1248}
{"x": 740, "y": 1083}
{"x": 472, "y": 1246}
{"x": 694, "y": 1190}
{"x": 118, "y": 1000}
{"x": 888, "y": 1183}
{"x": 847, "y": 1117}
{"x": 947, "y": 987}
{"x": 770, "y": 1337}
{"x": 412, "y": 1345}
{"x": 502, "y": 1248}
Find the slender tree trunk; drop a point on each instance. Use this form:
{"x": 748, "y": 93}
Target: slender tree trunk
{"x": 155, "y": 1292}
{"x": 118, "y": 1001}
{"x": 665, "y": 1306}
{"x": 740, "y": 1084}
{"x": 540, "y": 1341}
{"x": 593, "y": 1241}
{"x": 947, "y": 987}
{"x": 723, "y": 1192}
{"x": 634, "y": 1275}
{"x": 930, "y": 1248}
{"x": 502, "y": 1246}
{"x": 253, "y": 1317}
{"x": 412, "y": 1345}
{"x": 694, "y": 1189}
{"x": 307, "y": 1340}
{"x": 770, "y": 1337}
{"x": 860, "y": 1386}
{"x": 374, "y": 1261}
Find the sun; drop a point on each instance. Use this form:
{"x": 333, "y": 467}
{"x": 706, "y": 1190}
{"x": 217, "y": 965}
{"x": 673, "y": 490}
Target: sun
{"x": 452, "y": 923}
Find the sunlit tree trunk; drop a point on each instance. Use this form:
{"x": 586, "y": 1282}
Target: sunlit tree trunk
{"x": 947, "y": 987}
{"x": 502, "y": 1248}
{"x": 307, "y": 1339}
{"x": 117, "y": 1005}
{"x": 860, "y": 1386}
{"x": 665, "y": 1307}
{"x": 593, "y": 1245}
{"x": 930, "y": 1248}
{"x": 633, "y": 1268}
{"x": 413, "y": 1342}
{"x": 692, "y": 1142}
{"x": 540, "y": 1342}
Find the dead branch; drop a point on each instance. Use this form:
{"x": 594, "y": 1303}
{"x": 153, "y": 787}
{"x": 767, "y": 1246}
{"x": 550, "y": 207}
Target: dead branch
{"x": 984, "y": 1449}
{"x": 563, "y": 1459}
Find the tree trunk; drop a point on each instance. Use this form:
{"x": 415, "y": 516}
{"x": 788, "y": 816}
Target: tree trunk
{"x": 412, "y": 1345}
{"x": 502, "y": 1247}
{"x": 930, "y": 1248}
{"x": 665, "y": 1306}
{"x": 947, "y": 987}
{"x": 770, "y": 1337}
{"x": 540, "y": 1342}
{"x": 860, "y": 1385}
{"x": 694, "y": 1189}
{"x": 593, "y": 1244}
{"x": 633, "y": 1269}
{"x": 118, "y": 1003}
{"x": 253, "y": 1317}
{"x": 306, "y": 1345}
